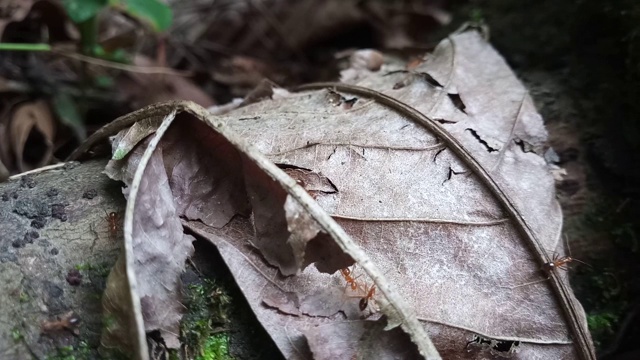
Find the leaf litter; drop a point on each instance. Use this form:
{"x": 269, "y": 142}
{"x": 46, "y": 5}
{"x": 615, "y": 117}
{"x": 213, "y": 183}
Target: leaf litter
{"x": 32, "y": 120}
{"x": 444, "y": 248}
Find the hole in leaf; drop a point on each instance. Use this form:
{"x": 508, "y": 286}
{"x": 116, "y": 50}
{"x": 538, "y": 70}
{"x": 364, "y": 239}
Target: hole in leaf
{"x": 457, "y": 102}
{"x": 445, "y": 121}
{"x": 482, "y": 141}
{"x": 431, "y": 81}
{"x": 35, "y": 148}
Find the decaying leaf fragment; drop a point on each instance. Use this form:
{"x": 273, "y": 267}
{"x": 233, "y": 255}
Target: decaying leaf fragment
{"x": 155, "y": 251}
{"x": 36, "y": 121}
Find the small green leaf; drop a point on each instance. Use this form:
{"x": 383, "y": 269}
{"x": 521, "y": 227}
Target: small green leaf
{"x": 68, "y": 113}
{"x": 153, "y": 12}
{"x": 104, "y": 82}
{"x": 82, "y": 10}
{"x": 119, "y": 154}
{"x": 118, "y": 55}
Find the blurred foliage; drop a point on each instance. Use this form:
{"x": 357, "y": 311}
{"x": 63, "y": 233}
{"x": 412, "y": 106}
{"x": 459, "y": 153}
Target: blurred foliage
{"x": 83, "y": 10}
{"x": 85, "y": 14}
{"x": 155, "y": 13}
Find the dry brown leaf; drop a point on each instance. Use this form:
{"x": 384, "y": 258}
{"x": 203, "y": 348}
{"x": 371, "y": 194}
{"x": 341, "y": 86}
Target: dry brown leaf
{"x": 14, "y": 10}
{"x": 435, "y": 230}
{"x": 359, "y": 340}
{"x": 145, "y": 89}
{"x": 252, "y": 170}
{"x": 156, "y": 249}
{"x": 438, "y": 232}
{"x": 33, "y": 120}
{"x": 19, "y": 15}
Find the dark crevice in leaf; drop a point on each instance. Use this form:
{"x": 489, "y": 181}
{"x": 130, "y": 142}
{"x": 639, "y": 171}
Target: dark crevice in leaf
{"x": 333, "y": 152}
{"x": 411, "y": 75}
{"x": 348, "y": 103}
{"x": 506, "y": 346}
{"x": 451, "y": 173}
{"x": 290, "y": 166}
{"x": 482, "y": 141}
{"x": 396, "y": 72}
{"x": 457, "y": 102}
{"x": 445, "y": 121}
{"x": 524, "y": 146}
{"x": 438, "y": 153}
{"x": 495, "y": 346}
{"x": 430, "y": 80}
{"x": 399, "y": 85}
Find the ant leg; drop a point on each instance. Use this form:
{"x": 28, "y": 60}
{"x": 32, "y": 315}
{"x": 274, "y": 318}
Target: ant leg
{"x": 526, "y": 284}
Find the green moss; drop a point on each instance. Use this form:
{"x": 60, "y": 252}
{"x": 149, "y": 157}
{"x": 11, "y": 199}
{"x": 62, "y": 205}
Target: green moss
{"x": 63, "y": 353}
{"x": 16, "y": 335}
{"x": 83, "y": 266}
{"x": 81, "y": 352}
{"x": 216, "y": 347}
{"x": 101, "y": 270}
{"x": 602, "y": 326}
{"x": 174, "y": 355}
{"x": 208, "y": 305}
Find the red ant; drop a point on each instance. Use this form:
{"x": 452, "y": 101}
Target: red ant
{"x": 351, "y": 282}
{"x": 364, "y": 302}
{"x": 112, "y": 219}
{"x": 346, "y": 273}
{"x": 68, "y": 321}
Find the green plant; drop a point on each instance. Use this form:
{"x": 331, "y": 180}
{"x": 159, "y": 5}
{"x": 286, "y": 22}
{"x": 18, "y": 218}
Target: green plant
{"x": 85, "y": 14}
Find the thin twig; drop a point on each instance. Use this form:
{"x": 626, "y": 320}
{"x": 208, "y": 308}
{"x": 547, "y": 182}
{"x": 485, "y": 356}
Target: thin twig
{"x": 123, "y": 67}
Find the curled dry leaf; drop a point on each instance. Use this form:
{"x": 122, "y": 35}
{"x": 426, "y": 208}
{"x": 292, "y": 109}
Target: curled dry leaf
{"x": 462, "y": 260}
{"x": 155, "y": 251}
{"x": 453, "y": 218}
{"x": 194, "y": 152}
{"x": 32, "y": 121}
